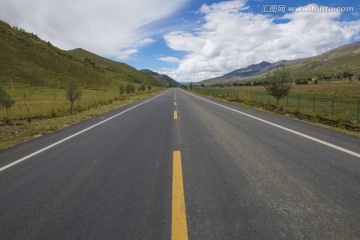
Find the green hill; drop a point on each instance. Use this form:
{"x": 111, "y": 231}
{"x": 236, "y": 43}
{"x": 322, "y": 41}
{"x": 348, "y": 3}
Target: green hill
{"x": 163, "y": 79}
{"x": 28, "y": 60}
{"x": 112, "y": 68}
{"x": 333, "y": 62}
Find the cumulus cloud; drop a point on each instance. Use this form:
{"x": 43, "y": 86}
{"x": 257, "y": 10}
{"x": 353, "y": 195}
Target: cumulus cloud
{"x": 232, "y": 37}
{"x": 169, "y": 59}
{"x": 108, "y": 27}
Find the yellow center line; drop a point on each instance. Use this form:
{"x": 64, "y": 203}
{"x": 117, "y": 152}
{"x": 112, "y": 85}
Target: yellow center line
{"x": 174, "y": 103}
{"x": 178, "y": 225}
{"x": 175, "y": 115}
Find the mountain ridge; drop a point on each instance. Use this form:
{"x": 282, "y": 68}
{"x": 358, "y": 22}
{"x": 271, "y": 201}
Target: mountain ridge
{"x": 250, "y": 70}
{"x": 335, "y": 61}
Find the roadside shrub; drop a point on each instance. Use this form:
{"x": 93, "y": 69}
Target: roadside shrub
{"x": 341, "y": 120}
{"x": 296, "y": 110}
{"x": 53, "y": 113}
{"x": 316, "y": 117}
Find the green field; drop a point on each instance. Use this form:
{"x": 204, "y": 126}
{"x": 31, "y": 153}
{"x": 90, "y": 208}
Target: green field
{"x": 49, "y": 111}
{"x": 336, "y": 101}
{"x": 38, "y": 102}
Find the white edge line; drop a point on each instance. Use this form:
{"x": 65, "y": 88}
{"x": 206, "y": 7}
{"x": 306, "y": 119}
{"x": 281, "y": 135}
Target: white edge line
{"x": 74, "y": 135}
{"x": 284, "y": 128}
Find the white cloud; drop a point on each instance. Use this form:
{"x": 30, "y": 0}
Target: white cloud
{"x": 126, "y": 53}
{"x": 144, "y": 42}
{"x": 107, "y": 27}
{"x": 169, "y": 59}
{"x": 231, "y": 38}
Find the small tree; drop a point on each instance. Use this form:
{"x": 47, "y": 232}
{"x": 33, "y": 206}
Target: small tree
{"x": 121, "y": 89}
{"x": 348, "y": 75}
{"x": 73, "y": 93}
{"x": 130, "y": 88}
{"x": 149, "y": 87}
{"x": 278, "y": 83}
{"x": 142, "y": 87}
{"x": 6, "y": 101}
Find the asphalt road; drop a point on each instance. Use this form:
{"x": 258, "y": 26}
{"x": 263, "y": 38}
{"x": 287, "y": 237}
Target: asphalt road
{"x": 211, "y": 170}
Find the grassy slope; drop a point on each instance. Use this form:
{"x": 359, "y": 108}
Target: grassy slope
{"x": 26, "y": 59}
{"x": 112, "y": 68}
{"x": 163, "y": 79}
{"x": 344, "y": 58}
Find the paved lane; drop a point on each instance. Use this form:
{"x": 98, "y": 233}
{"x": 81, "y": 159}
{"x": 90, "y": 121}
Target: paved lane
{"x": 245, "y": 179}
{"x": 111, "y": 182}
{"x": 178, "y": 167}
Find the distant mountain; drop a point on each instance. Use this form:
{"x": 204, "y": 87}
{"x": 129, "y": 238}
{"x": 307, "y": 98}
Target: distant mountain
{"x": 251, "y": 70}
{"x": 330, "y": 63}
{"x": 163, "y": 79}
{"x": 28, "y": 60}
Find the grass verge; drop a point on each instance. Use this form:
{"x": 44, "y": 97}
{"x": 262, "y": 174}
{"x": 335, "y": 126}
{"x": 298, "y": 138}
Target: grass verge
{"x": 20, "y": 130}
{"x": 339, "y": 125}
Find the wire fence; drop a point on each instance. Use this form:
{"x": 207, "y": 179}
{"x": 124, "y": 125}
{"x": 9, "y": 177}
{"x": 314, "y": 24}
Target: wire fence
{"x": 338, "y": 107}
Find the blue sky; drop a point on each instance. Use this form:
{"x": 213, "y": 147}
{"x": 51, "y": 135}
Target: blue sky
{"x": 189, "y": 40}
{"x": 149, "y": 56}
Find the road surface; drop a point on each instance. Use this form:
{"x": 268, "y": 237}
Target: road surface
{"x": 181, "y": 166}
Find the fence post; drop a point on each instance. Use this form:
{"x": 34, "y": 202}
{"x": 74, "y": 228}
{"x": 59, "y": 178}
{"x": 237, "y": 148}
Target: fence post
{"x": 299, "y": 101}
{"x": 332, "y": 104}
